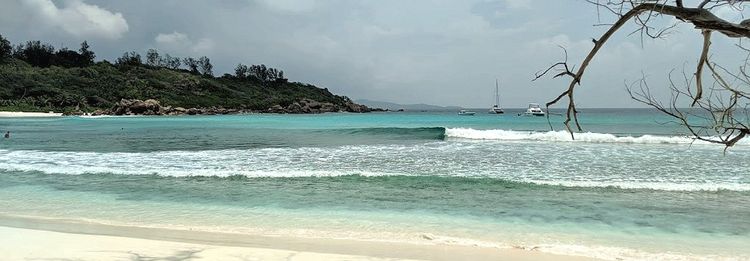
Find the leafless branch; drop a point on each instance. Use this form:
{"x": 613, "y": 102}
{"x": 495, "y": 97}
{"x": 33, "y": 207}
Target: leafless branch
{"x": 723, "y": 98}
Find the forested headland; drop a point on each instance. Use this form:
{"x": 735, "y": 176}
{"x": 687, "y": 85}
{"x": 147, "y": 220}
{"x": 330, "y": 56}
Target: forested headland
{"x": 36, "y": 76}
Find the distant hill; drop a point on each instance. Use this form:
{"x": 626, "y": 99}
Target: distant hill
{"x": 36, "y": 77}
{"x": 410, "y": 107}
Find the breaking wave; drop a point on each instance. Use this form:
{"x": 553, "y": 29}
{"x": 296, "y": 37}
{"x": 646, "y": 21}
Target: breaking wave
{"x": 426, "y": 163}
{"x": 564, "y": 136}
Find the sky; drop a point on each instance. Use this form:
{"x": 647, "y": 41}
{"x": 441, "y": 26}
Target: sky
{"x": 419, "y": 51}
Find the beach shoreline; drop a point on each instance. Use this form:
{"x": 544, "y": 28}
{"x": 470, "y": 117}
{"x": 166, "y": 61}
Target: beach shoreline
{"x": 31, "y": 238}
{"x": 23, "y": 114}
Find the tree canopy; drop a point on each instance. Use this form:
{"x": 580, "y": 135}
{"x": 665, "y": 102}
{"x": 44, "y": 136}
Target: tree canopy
{"x": 37, "y": 77}
{"x": 6, "y": 49}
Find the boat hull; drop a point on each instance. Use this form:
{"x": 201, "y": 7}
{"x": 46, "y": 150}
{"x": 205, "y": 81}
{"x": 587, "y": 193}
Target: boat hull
{"x": 496, "y": 111}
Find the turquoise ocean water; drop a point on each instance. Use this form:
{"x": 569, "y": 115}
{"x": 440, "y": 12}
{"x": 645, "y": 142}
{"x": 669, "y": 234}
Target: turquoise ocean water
{"x": 633, "y": 186}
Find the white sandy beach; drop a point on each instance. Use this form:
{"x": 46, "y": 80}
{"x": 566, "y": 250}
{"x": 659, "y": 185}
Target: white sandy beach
{"x": 33, "y": 239}
{"x": 21, "y": 114}
{"x": 26, "y": 244}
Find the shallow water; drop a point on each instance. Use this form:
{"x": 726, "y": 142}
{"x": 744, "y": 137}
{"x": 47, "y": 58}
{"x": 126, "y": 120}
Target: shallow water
{"x": 431, "y": 177}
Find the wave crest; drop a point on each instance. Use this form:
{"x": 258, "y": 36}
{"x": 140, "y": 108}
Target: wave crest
{"x": 564, "y": 136}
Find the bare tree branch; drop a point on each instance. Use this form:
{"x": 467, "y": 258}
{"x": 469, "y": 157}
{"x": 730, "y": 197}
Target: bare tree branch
{"x": 701, "y": 62}
{"x": 718, "y": 108}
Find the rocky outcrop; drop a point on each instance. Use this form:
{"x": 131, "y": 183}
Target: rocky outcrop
{"x": 154, "y": 107}
{"x": 353, "y": 107}
{"x": 136, "y": 107}
{"x": 276, "y": 109}
{"x": 312, "y": 106}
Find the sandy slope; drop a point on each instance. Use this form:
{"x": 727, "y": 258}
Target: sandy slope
{"x": 150, "y": 244}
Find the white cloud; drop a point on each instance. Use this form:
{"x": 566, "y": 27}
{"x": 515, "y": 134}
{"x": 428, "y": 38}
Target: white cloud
{"x": 518, "y": 4}
{"x": 181, "y": 43}
{"x": 173, "y": 38}
{"x": 294, "y": 6}
{"x": 79, "y": 19}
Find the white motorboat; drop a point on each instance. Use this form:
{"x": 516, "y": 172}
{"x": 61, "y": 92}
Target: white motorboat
{"x": 466, "y": 113}
{"x": 534, "y": 110}
{"x": 496, "y": 108}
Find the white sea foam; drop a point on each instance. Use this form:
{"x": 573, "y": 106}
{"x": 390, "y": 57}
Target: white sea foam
{"x": 668, "y": 186}
{"x": 109, "y": 116}
{"x": 564, "y": 136}
{"x": 627, "y": 168}
{"x": 97, "y": 116}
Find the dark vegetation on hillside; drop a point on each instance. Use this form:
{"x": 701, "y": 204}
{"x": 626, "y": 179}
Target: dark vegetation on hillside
{"x": 34, "y": 76}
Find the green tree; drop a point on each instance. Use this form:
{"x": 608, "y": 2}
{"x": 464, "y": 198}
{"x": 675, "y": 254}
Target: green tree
{"x": 6, "y": 49}
{"x": 35, "y": 53}
{"x": 152, "y": 58}
{"x": 192, "y": 64}
{"x": 259, "y": 72}
{"x": 240, "y": 71}
{"x": 130, "y": 58}
{"x": 205, "y": 66}
{"x": 170, "y": 62}
{"x": 87, "y": 56}
{"x": 280, "y": 77}
{"x": 67, "y": 58}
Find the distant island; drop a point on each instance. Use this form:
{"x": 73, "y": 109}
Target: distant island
{"x": 409, "y": 107}
{"x": 35, "y": 77}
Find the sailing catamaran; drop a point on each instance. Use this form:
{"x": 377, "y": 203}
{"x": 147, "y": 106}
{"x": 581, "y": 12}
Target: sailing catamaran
{"x": 496, "y": 109}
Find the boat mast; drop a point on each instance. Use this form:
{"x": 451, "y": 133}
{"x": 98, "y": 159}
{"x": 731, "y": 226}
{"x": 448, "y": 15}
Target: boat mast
{"x": 497, "y": 94}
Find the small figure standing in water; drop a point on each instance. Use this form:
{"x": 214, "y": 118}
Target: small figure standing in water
{"x": 7, "y": 134}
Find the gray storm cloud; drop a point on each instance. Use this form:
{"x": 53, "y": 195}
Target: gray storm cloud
{"x": 438, "y": 51}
